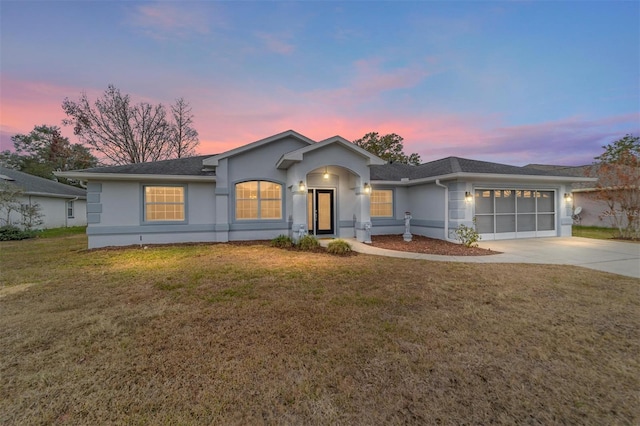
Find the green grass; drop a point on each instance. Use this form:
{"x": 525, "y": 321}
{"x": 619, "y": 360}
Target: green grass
{"x": 593, "y": 232}
{"x": 250, "y": 334}
{"x": 62, "y": 232}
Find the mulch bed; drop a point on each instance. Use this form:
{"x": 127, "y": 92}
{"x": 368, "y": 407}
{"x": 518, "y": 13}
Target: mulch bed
{"x": 420, "y": 244}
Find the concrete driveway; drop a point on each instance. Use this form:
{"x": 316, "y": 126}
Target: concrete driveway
{"x": 602, "y": 255}
{"x": 609, "y": 256}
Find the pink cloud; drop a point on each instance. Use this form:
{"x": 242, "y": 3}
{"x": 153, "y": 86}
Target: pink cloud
{"x": 368, "y": 80}
{"x": 164, "y": 20}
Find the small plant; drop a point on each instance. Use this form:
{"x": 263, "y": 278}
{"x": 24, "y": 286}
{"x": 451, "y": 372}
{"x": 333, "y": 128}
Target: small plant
{"x": 13, "y": 233}
{"x": 468, "y": 235}
{"x": 31, "y": 216}
{"x": 339, "y": 247}
{"x": 308, "y": 243}
{"x": 282, "y": 241}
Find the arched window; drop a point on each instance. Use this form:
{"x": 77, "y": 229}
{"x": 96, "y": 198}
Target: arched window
{"x": 258, "y": 199}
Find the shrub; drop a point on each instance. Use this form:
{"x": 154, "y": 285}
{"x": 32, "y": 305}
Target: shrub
{"x": 468, "y": 235}
{"x": 13, "y": 233}
{"x": 308, "y": 243}
{"x": 282, "y": 241}
{"x": 339, "y": 247}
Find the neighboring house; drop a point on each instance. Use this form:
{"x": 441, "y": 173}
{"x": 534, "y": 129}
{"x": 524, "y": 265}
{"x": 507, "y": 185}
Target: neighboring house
{"x": 289, "y": 184}
{"x": 60, "y": 205}
{"x": 593, "y": 210}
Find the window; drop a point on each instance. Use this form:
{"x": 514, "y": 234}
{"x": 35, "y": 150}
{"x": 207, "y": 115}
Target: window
{"x": 258, "y": 199}
{"x": 70, "y": 209}
{"x": 164, "y": 204}
{"x": 381, "y": 204}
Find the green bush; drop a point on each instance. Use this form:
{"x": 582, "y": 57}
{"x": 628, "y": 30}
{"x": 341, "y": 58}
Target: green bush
{"x": 468, "y": 235}
{"x": 282, "y": 241}
{"x": 308, "y": 243}
{"x": 13, "y": 233}
{"x": 339, "y": 247}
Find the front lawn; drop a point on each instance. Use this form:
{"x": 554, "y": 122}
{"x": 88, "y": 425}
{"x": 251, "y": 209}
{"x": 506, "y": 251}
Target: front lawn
{"x": 596, "y": 232}
{"x": 246, "y": 334}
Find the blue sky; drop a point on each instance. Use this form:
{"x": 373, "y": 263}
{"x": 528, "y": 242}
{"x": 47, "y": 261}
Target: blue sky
{"x": 512, "y": 82}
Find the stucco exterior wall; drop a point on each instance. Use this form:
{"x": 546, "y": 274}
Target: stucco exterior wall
{"x": 53, "y": 211}
{"x": 115, "y": 212}
{"x": 427, "y": 207}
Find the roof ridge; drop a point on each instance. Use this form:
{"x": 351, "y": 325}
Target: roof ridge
{"x": 455, "y": 165}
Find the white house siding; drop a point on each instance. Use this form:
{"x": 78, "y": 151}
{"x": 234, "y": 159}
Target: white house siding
{"x": 116, "y": 215}
{"x": 53, "y": 211}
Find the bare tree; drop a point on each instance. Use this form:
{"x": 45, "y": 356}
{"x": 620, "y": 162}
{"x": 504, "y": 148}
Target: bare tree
{"x": 121, "y": 132}
{"x": 9, "y": 202}
{"x": 618, "y": 171}
{"x": 184, "y": 138}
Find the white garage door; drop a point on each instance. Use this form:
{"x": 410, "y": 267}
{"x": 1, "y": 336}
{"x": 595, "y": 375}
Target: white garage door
{"x": 515, "y": 213}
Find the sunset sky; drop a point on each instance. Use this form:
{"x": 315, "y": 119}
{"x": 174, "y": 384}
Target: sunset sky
{"x": 511, "y": 82}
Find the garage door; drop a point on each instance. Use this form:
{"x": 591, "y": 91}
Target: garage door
{"x": 515, "y": 213}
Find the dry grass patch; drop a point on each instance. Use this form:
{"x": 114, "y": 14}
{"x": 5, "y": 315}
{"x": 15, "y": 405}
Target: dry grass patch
{"x": 252, "y": 334}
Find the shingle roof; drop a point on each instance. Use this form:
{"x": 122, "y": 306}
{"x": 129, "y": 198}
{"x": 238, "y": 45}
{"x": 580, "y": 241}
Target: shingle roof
{"x": 589, "y": 170}
{"x": 579, "y": 171}
{"x": 193, "y": 166}
{"x": 449, "y": 165}
{"x": 189, "y": 166}
{"x": 36, "y": 185}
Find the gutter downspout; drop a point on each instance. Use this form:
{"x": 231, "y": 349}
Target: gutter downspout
{"x": 446, "y": 209}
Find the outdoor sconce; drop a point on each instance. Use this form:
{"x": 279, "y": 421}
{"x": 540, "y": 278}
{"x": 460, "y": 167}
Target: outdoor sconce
{"x": 468, "y": 197}
{"x": 567, "y": 197}
{"x": 301, "y": 186}
{"x": 367, "y": 188}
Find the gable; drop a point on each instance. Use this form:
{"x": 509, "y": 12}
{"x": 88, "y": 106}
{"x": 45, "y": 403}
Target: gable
{"x": 335, "y": 150}
{"x": 291, "y": 136}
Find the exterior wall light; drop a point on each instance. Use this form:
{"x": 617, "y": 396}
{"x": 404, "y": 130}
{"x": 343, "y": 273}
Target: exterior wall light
{"x": 326, "y": 174}
{"x": 468, "y": 197}
{"x": 568, "y": 197}
{"x": 367, "y": 188}
{"x": 302, "y": 186}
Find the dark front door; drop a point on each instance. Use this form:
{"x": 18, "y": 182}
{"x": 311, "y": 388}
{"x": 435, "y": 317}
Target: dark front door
{"x": 321, "y": 211}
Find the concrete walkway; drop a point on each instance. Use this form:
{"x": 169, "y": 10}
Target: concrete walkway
{"x": 608, "y": 256}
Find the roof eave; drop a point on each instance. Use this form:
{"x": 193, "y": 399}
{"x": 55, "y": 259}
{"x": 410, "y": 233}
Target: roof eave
{"x": 52, "y": 195}
{"x": 134, "y": 177}
{"x": 486, "y": 176}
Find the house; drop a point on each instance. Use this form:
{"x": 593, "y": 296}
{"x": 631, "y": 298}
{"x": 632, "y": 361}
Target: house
{"x": 589, "y": 205}
{"x": 289, "y": 184}
{"x": 60, "y": 205}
